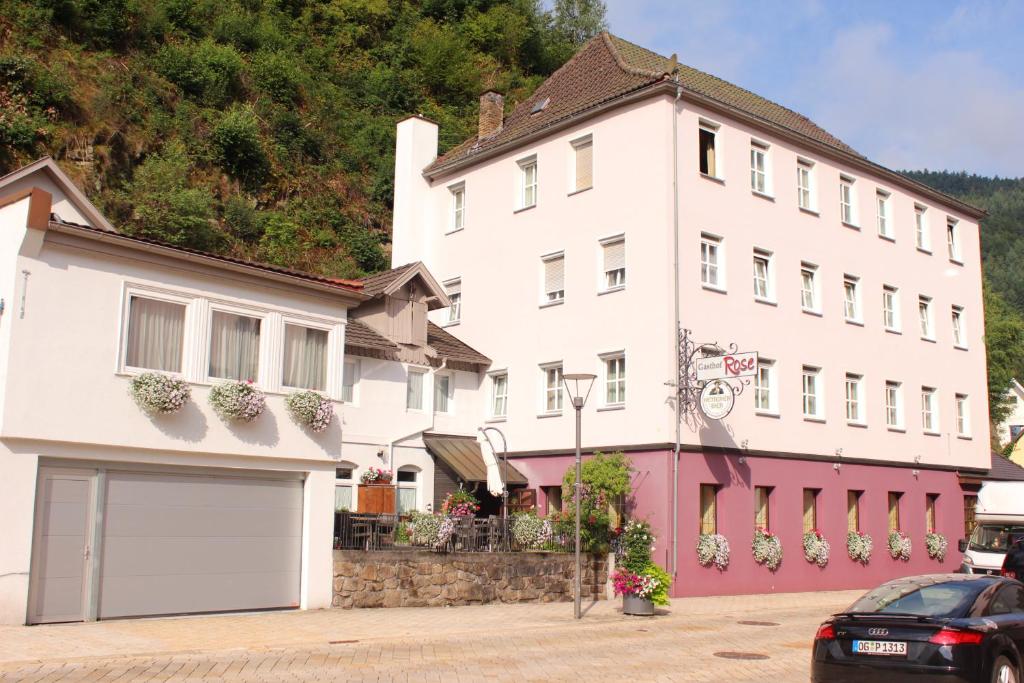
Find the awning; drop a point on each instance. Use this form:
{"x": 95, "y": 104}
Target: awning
{"x": 464, "y": 456}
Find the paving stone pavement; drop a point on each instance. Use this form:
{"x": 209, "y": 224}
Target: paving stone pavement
{"x": 449, "y": 645}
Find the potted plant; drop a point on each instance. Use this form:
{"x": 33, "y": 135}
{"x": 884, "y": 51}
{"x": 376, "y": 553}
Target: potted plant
{"x": 159, "y": 394}
{"x": 713, "y": 549}
{"x": 816, "y": 548}
{"x": 375, "y": 476}
{"x": 641, "y": 583}
{"x": 767, "y": 549}
{"x": 460, "y": 504}
{"x": 937, "y": 545}
{"x": 899, "y": 545}
{"x": 240, "y": 401}
{"x": 859, "y": 546}
{"x": 310, "y": 409}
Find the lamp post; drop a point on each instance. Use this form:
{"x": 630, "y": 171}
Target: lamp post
{"x": 578, "y": 387}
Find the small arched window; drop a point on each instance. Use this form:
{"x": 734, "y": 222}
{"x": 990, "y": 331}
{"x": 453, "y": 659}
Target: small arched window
{"x": 344, "y": 486}
{"x": 408, "y": 480}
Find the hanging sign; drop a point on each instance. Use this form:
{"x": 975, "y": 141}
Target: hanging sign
{"x": 716, "y": 399}
{"x": 726, "y": 367}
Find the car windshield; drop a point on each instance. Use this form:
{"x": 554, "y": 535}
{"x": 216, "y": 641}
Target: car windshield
{"x": 995, "y": 538}
{"x": 921, "y": 597}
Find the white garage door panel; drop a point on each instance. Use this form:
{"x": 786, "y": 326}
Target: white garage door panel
{"x": 61, "y": 540}
{"x": 136, "y": 488}
{"x": 183, "y": 594}
{"x": 167, "y": 521}
{"x": 156, "y": 556}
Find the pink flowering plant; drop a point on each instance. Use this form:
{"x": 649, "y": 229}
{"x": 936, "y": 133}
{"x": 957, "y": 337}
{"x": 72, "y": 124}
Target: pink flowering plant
{"x": 159, "y": 394}
{"x": 637, "y": 585}
{"x": 310, "y": 409}
{"x": 460, "y": 504}
{"x": 240, "y": 401}
{"x": 375, "y": 475}
{"x": 637, "y": 574}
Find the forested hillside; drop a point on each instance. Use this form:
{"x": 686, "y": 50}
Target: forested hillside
{"x": 261, "y": 128}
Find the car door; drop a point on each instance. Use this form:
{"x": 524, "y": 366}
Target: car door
{"x": 1007, "y": 610}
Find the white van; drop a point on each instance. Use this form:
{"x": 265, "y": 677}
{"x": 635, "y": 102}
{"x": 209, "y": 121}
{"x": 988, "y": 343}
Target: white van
{"x": 1000, "y": 523}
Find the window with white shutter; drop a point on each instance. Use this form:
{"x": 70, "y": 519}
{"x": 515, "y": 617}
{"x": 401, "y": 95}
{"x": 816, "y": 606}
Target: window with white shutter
{"x": 614, "y": 263}
{"x": 583, "y": 156}
{"x": 554, "y": 278}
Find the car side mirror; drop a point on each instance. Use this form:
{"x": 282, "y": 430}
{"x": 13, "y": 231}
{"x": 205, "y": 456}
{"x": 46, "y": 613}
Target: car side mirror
{"x": 962, "y": 545}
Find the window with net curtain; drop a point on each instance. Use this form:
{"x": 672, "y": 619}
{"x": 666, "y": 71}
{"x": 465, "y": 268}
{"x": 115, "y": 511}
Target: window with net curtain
{"x": 305, "y": 358}
{"x": 344, "y": 476}
{"x": 407, "y": 478}
{"x": 234, "y": 346}
{"x": 156, "y": 332}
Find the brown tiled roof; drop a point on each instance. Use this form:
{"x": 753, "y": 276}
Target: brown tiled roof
{"x": 378, "y": 282}
{"x": 359, "y": 334}
{"x": 452, "y": 348}
{"x": 607, "y": 68}
{"x": 1004, "y": 469}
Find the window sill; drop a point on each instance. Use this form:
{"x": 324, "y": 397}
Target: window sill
{"x": 452, "y": 323}
{"x": 924, "y": 250}
{"x": 713, "y": 178}
{"x": 853, "y": 321}
{"x": 891, "y": 330}
{"x": 768, "y": 413}
{"x": 887, "y": 238}
{"x": 617, "y": 406}
{"x": 956, "y": 261}
{"x": 931, "y": 433}
{"x": 768, "y": 302}
{"x": 611, "y": 290}
{"x": 928, "y": 339}
{"x": 763, "y": 195}
{"x": 852, "y": 226}
{"x": 898, "y": 430}
{"x": 580, "y": 191}
{"x": 525, "y": 208}
{"x": 811, "y": 311}
{"x": 960, "y": 347}
{"x": 714, "y": 288}
{"x": 965, "y": 437}
{"x": 494, "y": 420}
{"x": 549, "y": 304}
{"x": 812, "y": 212}
{"x": 541, "y": 416}
{"x": 810, "y": 418}
{"x": 860, "y": 425}
{"x": 455, "y": 230}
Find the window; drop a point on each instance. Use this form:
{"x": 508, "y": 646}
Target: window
{"x": 442, "y": 393}
{"x": 711, "y": 262}
{"x": 707, "y": 143}
{"x": 499, "y": 395}
{"x": 854, "y": 404}
{"x": 894, "y": 510}
{"x": 759, "y": 167}
{"x": 343, "y": 486}
{"x": 528, "y": 183}
{"x": 761, "y": 519}
{"x": 552, "y": 498}
{"x": 924, "y": 314}
{"x": 883, "y": 212}
{"x": 930, "y": 503}
{"x": 959, "y": 337}
{"x": 457, "y": 220}
{"x": 414, "y": 390}
{"x": 764, "y": 387}
{"x": 970, "y": 510}
{"x": 553, "y": 388}
{"x": 921, "y": 237}
{"x": 810, "y": 509}
{"x": 234, "y": 346}
{"x": 809, "y": 287}
{"x": 708, "y": 509}
{"x": 764, "y": 285}
{"x": 812, "y": 393}
{"x": 929, "y": 417}
{"x": 554, "y": 278}
{"x": 953, "y": 240}
{"x": 305, "y": 358}
{"x": 583, "y": 157}
{"x": 406, "y": 478}
{"x": 349, "y": 380}
{"x": 615, "y": 379}
{"x": 614, "y": 253}
{"x": 853, "y": 510}
{"x": 453, "y": 288}
{"x": 963, "y": 416}
{"x": 804, "y": 184}
{"x": 894, "y": 405}
{"x": 890, "y": 308}
{"x": 156, "y": 334}
{"x": 846, "y": 206}
{"x": 851, "y": 299}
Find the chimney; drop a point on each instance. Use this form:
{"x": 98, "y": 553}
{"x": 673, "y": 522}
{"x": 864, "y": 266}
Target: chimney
{"x": 492, "y": 114}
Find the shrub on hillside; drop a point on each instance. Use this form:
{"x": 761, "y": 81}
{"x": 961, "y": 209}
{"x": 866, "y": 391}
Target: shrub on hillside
{"x": 208, "y": 72}
{"x": 237, "y": 147}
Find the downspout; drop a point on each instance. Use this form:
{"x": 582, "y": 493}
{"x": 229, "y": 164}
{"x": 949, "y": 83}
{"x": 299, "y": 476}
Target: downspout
{"x": 673, "y": 561}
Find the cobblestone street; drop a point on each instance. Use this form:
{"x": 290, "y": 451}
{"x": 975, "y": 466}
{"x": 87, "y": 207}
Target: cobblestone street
{"x": 485, "y": 643}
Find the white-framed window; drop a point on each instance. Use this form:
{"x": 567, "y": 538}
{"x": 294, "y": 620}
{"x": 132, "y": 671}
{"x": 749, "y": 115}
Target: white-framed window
{"x": 527, "y": 182}
{"x": 894, "y": 405}
{"x": 350, "y": 380}
{"x": 453, "y": 288}
{"x": 583, "y": 163}
{"x": 805, "y": 190}
{"x": 553, "y": 399}
{"x": 712, "y": 263}
{"x": 443, "y": 392}
{"x": 953, "y": 240}
{"x": 924, "y": 315}
{"x": 709, "y": 162}
{"x": 344, "y": 487}
{"x": 234, "y": 346}
{"x": 613, "y": 257}
{"x": 813, "y": 393}
{"x": 809, "y": 298}
{"x": 457, "y": 217}
{"x": 963, "y": 416}
{"x": 614, "y": 379}
{"x": 154, "y": 334}
{"x": 764, "y": 276}
{"x": 414, "y": 389}
{"x": 851, "y": 299}
{"x": 847, "y": 204}
{"x": 407, "y": 480}
{"x": 499, "y": 395}
{"x": 929, "y": 411}
{"x": 305, "y": 357}
{"x": 890, "y": 308}
{"x": 959, "y": 332}
{"x": 760, "y": 180}
{"x": 553, "y": 273}
{"x": 765, "y": 389}
{"x": 854, "y": 399}
{"x": 883, "y": 213}
{"x": 922, "y": 237}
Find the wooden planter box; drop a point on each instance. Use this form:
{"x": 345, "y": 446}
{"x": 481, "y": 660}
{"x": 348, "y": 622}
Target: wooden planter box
{"x": 377, "y": 499}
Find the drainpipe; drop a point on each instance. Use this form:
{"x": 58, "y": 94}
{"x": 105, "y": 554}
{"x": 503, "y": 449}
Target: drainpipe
{"x": 673, "y": 568}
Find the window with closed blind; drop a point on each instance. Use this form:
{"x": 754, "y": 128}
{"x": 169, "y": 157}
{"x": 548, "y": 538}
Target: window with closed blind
{"x": 583, "y": 167}
{"x": 614, "y": 257}
{"x": 894, "y": 510}
{"x": 761, "y": 497}
{"x": 554, "y": 278}
{"x": 853, "y": 510}
{"x": 810, "y": 509}
{"x": 453, "y": 288}
{"x": 708, "y": 509}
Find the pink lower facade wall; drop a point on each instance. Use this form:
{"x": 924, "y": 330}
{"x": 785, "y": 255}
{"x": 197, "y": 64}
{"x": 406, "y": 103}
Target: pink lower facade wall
{"x": 788, "y": 478}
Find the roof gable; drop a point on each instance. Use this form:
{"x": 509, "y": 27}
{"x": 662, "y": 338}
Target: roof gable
{"x": 392, "y": 281}
{"x": 67, "y": 197}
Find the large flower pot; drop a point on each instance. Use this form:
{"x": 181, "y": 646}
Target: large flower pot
{"x": 640, "y": 607}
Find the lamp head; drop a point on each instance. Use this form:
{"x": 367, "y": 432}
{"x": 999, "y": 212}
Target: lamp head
{"x": 578, "y": 387}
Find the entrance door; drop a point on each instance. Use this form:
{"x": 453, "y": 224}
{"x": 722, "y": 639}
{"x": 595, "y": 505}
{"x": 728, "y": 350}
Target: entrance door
{"x": 61, "y": 552}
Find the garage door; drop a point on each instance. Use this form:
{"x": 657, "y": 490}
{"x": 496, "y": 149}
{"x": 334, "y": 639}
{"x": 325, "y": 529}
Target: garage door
{"x": 177, "y": 543}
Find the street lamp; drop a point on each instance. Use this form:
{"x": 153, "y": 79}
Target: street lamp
{"x": 578, "y": 387}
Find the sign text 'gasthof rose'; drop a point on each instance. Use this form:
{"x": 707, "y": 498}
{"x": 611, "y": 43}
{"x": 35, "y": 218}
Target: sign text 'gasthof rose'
{"x": 727, "y": 367}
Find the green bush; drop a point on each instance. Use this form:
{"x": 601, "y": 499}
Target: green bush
{"x": 660, "y": 595}
{"x": 277, "y": 74}
{"x": 635, "y": 546}
{"x": 237, "y": 148}
{"x": 205, "y": 71}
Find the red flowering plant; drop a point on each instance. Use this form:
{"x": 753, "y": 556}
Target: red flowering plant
{"x": 460, "y": 504}
{"x": 375, "y": 475}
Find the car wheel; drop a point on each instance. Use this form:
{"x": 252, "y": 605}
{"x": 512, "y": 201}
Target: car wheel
{"x": 1003, "y": 671}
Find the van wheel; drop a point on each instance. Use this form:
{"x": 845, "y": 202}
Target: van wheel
{"x": 1003, "y": 671}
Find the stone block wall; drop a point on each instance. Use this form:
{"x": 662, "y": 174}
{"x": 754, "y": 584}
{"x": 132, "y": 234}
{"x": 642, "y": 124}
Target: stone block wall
{"x": 419, "y": 578}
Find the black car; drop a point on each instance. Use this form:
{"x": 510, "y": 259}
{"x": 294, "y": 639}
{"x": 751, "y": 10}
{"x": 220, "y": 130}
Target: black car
{"x": 942, "y": 627}
{"x": 1013, "y": 564}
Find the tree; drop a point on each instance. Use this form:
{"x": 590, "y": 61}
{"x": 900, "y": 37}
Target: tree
{"x": 579, "y": 20}
{"x": 1004, "y": 344}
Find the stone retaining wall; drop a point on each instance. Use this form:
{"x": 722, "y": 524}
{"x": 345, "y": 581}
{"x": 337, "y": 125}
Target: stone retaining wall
{"x": 418, "y": 578}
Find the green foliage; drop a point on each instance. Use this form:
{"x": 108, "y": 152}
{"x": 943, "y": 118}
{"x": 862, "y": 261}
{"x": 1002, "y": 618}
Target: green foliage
{"x": 635, "y": 545}
{"x": 609, "y": 475}
{"x": 1004, "y": 343}
{"x": 237, "y": 147}
{"x": 278, "y": 74}
{"x": 660, "y": 595}
{"x": 206, "y": 71}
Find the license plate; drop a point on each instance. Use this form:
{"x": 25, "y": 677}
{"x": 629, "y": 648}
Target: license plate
{"x": 880, "y": 647}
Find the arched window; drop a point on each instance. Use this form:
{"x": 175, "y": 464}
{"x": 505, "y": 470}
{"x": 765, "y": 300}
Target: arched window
{"x": 344, "y": 486}
{"x": 408, "y": 480}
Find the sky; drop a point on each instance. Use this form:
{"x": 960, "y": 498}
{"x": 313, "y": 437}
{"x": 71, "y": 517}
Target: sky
{"x": 910, "y": 84}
